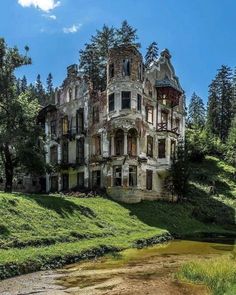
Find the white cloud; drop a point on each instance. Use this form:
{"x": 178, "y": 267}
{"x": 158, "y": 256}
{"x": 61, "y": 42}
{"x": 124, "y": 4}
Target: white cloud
{"x": 51, "y": 16}
{"x": 45, "y": 5}
{"x": 72, "y": 29}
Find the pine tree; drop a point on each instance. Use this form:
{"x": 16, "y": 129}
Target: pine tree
{"x": 39, "y": 90}
{"x": 220, "y": 103}
{"x": 196, "y": 113}
{"x": 231, "y": 144}
{"x": 23, "y": 84}
{"x": 152, "y": 54}
{"x": 49, "y": 89}
{"x": 126, "y": 35}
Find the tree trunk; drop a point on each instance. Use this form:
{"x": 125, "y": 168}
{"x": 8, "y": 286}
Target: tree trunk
{"x": 8, "y": 165}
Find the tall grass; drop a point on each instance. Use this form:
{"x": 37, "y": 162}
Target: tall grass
{"x": 218, "y": 274}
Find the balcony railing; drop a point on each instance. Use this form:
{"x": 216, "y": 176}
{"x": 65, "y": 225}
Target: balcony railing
{"x": 163, "y": 126}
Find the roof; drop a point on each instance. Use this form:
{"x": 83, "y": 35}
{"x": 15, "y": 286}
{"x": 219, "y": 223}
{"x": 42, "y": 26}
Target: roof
{"x": 166, "y": 82}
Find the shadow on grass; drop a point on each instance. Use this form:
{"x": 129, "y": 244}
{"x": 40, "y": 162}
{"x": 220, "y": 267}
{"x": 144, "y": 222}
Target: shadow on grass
{"x": 60, "y": 205}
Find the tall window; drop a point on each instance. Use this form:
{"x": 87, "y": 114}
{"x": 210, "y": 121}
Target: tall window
{"x": 111, "y": 102}
{"x": 95, "y": 114}
{"x": 126, "y": 68}
{"x": 65, "y": 152}
{"x": 80, "y": 179}
{"x": 149, "y": 114}
{"x": 161, "y": 148}
{"x": 53, "y": 127}
{"x": 172, "y": 149}
{"x": 80, "y": 121}
{"x": 149, "y": 146}
{"x": 117, "y": 175}
{"x": 111, "y": 70}
{"x": 65, "y": 182}
{"x": 132, "y": 142}
{"x": 97, "y": 145}
{"x": 125, "y": 95}
{"x": 119, "y": 143}
{"x": 53, "y": 154}
{"x": 140, "y": 71}
{"x": 132, "y": 176}
{"x": 149, "y": 179}
{"x": 53, "y": 184}
{"x": 164, "y": 119}
{"x": 70, "y": 94}
{"x": 139, "y": 102}
{"x": 96, "y": 178}
{"x": 65, "y": 125}
{"x": 80, "y": 150}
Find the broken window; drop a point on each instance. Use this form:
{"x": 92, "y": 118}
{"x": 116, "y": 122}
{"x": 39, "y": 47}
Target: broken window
{"x": 126, "y": 67}
{"x": 161, "y": 148}
{"x": 80, "y": 121}
{"x": 111, "y": 70}
{"x": 53, "y": 184}
{"x": 65, "y": 125}
{"x": 125, "y": 95}
{"x": 119, "y": 143}
{"x": 117, "y": 175}
{"x": 65, "y": 152}
{"x": 111, "y": 102}
{"x": 132, "y": 142}
{"x": 97, "y": 145}
{"x": 149, "y": 146}
{"x": 139, "y": 102}
{"x": 80, "y": 150}
{"x": 65, "y": 182}
{"x": 149, "y": 179}
{"x": 96, "y": 178}
{"x": 95, "y": 114}
{"x": 173, "y": 149}
{"x": 70, "y": 94}
{"x": 53, "y": 128}
{"x": 132, "y": 176}
{"x": 149, "y": 114}
{"x": 53, "y": 154}
{"x": 80, "y": 179}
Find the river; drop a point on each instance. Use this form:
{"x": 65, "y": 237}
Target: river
{"x": 148, "y": 271}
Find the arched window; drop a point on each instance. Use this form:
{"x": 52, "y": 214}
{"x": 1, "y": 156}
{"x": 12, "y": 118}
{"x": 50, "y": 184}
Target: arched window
{"x": 119, "y": 142}
{"x": 132, "y": 142}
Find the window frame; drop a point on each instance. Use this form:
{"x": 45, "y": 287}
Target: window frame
{"x": 115, "y": 178}
{"x": 111, "y": 101}
{"x": 125, "y": 100}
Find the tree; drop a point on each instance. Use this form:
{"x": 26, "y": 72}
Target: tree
{"x": 23, "y": 84}
{"x": 152, "y": 54}
{"x": 39, "y": 91}
{"x": 220, "y": 103}
{"x": 179, "y": 172}
{"x": 126, "y": 35}
{"x": 49, "y": 89}
{"x": 231, "y": 144}
{"x": 196, "y": 113}
{"x": 18, "y": 128}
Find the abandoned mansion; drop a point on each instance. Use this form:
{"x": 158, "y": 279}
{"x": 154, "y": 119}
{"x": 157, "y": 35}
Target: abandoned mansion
{"x": 121, "y": 139}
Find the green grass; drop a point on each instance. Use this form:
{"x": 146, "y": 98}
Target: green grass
{"x": 218, "y": 274}
{"x": 39, "y": 229}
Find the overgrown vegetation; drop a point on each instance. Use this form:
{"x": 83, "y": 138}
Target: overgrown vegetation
{"x": 220, "y": 277}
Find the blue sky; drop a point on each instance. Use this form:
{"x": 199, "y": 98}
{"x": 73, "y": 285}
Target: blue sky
{"x": 200, "y": 34}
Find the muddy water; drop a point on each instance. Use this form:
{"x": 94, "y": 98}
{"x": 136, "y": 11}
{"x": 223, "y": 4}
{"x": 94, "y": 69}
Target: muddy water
{"x": 138, "y": 272}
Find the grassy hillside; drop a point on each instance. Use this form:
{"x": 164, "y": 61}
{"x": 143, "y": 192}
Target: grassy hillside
{"x": 39, "y": 230}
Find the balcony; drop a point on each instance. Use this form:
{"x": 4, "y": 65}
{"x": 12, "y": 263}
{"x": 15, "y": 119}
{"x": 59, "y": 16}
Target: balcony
{"x": 163, "y": 126}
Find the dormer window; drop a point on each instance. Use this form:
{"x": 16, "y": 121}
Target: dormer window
{"x": 126, "y": 67}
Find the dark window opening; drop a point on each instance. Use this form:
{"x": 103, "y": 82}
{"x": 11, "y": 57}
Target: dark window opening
{"x": 96, "y": 178}
{"x": 111, "y": 102}
{"x": 80, "y": 121}
{"x": 111, "y": 70}
{"x": 173, "y": 149}
{"x": 161, "y": 148}
{"x": 53, "y": 127}
{"x": 97, "y": 145}
{"x": 149, "y": 114}
{"x": 126, "y": 67}
{"x": 65, "y": 182}
{"x": 149, "y": 179}
{"x": 139, "y": 102}
{"x": 132, "y": 176}
{"x": 54, "y": 184}
{"x": 80, "y": 150}
{"x": 117, "y": 175}
{"x": 149, "y": 146}
{"x": 80, "y": 179}
{"x": 140, "y": 70}
{"x": 95, "y": 114}
{"x": 65, "y": 154}
{"x": 70, "y": 94}
{"x": 53, "y": 154}
{"x": 125, "y": 99}
{"x": 119, "y": 143}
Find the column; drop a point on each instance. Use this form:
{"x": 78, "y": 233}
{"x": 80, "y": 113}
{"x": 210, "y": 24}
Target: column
{"x": 138, "y": 148}
{"x": 59, "y": 154}
{"x": 112, "y": 145}
{"x": 125, "y": 143}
